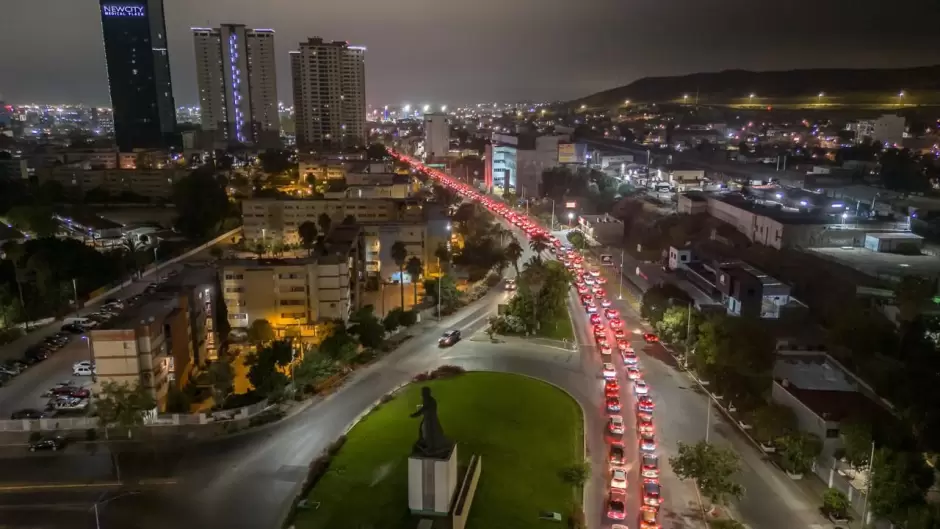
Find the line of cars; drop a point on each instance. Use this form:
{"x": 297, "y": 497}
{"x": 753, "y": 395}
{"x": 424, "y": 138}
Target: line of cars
{"x": 12, "y": 368}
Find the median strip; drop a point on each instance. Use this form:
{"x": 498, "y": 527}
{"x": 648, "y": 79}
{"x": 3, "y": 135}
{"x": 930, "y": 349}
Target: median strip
{"x": 35, "y": 487}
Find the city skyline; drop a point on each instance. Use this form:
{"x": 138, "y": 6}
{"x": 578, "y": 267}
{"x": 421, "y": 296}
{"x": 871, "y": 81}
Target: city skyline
{"x": 464, "y": 54}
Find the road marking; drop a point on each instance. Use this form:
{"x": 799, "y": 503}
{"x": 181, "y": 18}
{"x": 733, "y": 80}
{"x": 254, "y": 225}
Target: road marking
{"x": 31, "y": 487}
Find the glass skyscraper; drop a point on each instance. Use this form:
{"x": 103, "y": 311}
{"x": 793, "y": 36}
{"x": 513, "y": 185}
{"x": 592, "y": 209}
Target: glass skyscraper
{"x": 139, "y": 74}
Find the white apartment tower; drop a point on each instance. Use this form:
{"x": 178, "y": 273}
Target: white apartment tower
{"x": 237, "y": 82}
{"x": 436, "y": 136}
{"x": 329, "y": 94}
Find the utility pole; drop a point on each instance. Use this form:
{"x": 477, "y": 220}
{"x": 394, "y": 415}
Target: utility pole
{"x": 620, "y": 296}
{"x": 439, "y": 281}
{"x": 553, "y": 214}
{"x": 19, "y": 287}
{"x": 75, "y": 292}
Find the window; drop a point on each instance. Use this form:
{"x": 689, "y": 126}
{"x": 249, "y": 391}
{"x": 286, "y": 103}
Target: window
{"x": 235, "y": 289}
{"x": 234, "y": 276}
{"x": 238, "y": 316}
{"x": 294, "y": 302}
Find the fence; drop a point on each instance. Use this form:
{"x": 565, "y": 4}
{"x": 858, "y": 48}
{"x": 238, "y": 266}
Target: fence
{"x": 176, "y": 419}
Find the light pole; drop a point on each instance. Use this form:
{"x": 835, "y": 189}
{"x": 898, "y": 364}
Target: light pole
{"x": 75, "y": 292}
{"x": 900, "y": 98}
{"x": 570, "y": 219}
{"x": 871, "y": 477}
{"x": 620, "y": 296}
{"x": 553, "y": 214}
{"x": 107, "y": 501}
{"x": 819, "y": 98}
{"x": 91, "y": 359}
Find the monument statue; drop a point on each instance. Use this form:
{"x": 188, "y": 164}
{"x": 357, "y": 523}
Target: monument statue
{"x": 431, "y": 440}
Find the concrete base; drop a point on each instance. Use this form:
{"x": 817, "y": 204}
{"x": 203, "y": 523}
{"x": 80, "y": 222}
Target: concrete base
{"x": 431, "y": 483}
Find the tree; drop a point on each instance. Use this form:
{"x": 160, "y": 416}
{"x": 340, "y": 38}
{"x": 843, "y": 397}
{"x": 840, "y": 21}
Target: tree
{"x": 443, "y": 255}
{"x": 711, "y": 467}
{"x": 216, "y": 252}
{"x": 367, "y": 327}
{"x": 221, "y": 377}
{"x": 678, "y": 325}
{"x": 201, "y": 203}
{"x": 514, "y": 252}
{"x": 393, "y": 319}
{"x": 123, "y": 405}
{"x": 576, "y": 475}
{"x": 400, "y": 255}
{"x": 274, "y": 161}
{"x": 414, "y": 269}
{"x": 658, "y": 298}
{"x": 259, "y": 249}
{"x": 308, "y": 235}
{"x": 35, "y": 220}
{"x": 835, "y": 504}
{"x": 446, "y": 294}
{"x": 265, "y": 368}
{"x": 899, "y": 481}
{"x": 538, "y": 244}
{"x": 325, "y": 222}
{"x": 349, "y": 220}
{"x": 177, "y": 401}
{"x": 773, "y": 421}
{"x": 339, "y": 345}
{"x": 798, "y": 450}
{"x": 577, "y": 239}
{"x": 260, "y": 332}
{"x": 912, "y": 294}
{"x": 856, "y": 435}
{"x": 376, "y": 152}
{"x": 737, "y": 354}
{"x": 314, "y": 367}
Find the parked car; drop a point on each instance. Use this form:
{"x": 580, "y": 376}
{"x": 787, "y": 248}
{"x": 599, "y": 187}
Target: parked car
{"x": 53, "y": 443}
{"x": 74, "y": 328}
{"x": 27, "y": 414}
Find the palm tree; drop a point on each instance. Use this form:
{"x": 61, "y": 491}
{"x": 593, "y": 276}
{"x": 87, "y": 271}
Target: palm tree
{"x": 132, "y": 249}
{"x": 538, "y": 244}
{"x": 399, "y": 255}
{"x": 415, "y": 269}
{"x": 349, "y": 220}
{"x": 514, "y": 253}
{"x": 308, "y": 235}
{"x": 325, "y": 222}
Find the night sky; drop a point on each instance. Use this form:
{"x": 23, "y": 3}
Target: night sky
{"x": 453, "y": 52}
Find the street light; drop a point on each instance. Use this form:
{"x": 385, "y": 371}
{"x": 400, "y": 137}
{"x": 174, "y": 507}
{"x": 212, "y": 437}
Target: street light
{"x": 627, "y": 102}
{"x": 425, "y": 108}
{"x": 570, "y": 219}
{"x": 751, "y": 97}
{"x": 107, "y": 501}
{"x": 685, "y": 97}
{"x": 406, "y": 108}
{"x": 819, "y": 98}
{"x": 91, "y": 358}
{"x": 900, "y": 97}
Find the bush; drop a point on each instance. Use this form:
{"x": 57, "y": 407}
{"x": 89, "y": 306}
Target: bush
{"x": 447, "y": 371}
{"x": 388, "y": 397}
{"x": 409, "y": 318}
{"x": 835, "y": 504}
{"x": 421, "y": 377}
{"x": 576, "y": 517}
{"x": 797, "y": 451}
{"x": 265, "y": 417}
{"x": 10, "y": 334}
{"x": 508, "y": 324}
{"x": 577, "y": 474}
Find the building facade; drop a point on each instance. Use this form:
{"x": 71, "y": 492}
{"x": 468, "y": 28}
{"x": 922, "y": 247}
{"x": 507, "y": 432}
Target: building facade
{"x": 135, "y": 46}
{"x": 152, "y": 183}
{"x": 329, "y": 94}
{"x": 236, "y": 75}
{"x": 436, "y": 136}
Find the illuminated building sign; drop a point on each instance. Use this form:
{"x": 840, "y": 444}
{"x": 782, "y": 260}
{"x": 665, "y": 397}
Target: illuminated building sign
{"x": 115, "y": 10}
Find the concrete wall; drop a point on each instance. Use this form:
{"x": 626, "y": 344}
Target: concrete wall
{"x": 466, "y": 492}
{"x": 806, "y": 418}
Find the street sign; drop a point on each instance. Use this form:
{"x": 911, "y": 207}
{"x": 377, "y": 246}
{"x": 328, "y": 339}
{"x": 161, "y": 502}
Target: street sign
{"x": 607, "y": 259}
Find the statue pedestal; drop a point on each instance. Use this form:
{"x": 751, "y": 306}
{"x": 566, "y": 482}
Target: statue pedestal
{"x": 431, "y": 483}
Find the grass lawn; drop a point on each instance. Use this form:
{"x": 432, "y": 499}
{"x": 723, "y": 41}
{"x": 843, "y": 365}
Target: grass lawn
{"x": 557, "y": 329}
{"x": 525, "y": 430}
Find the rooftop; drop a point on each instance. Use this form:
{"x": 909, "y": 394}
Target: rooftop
{"x": 882, "y": 265}
{"x": 781, "y": 216}
{"x": 907, "y": 236}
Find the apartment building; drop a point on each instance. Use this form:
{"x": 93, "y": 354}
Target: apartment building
{"x": 277, "y": 219}
{"x": 152, "y": 183}
{"x": 294, "y": 294}
{"x": 329, "y": 94}
{"x": 236, "y": 75}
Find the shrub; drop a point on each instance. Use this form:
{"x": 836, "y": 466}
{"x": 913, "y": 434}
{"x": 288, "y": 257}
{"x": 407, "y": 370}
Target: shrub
{"x": 576, "y": 474}
{"x": 421, "y": 377}
{"x": 446, "y": 371}
{"x": 576, "y": 517}
{"x": 334, "y": 447}
{"x": 835, "y": 503}
{"x": 388, "y": 397}
{"x": 266, "y": 417}
{"x": 409, "y": 318}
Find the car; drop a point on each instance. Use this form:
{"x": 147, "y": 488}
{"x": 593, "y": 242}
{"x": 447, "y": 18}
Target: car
{"x": 602, "y": 341}
{"x": 595, "y": 273}
{"x": 605, "y": 303}
{"x": 605, "y": 350}
{"x": 31, "y": 360}
{"x": 649, "y": 466}
{"x": 83, "y": 363}
{"x": 640, "y": 387}
{"x": 612, "y": 314}
{"x": 618, "y": 478}
{"x": 83, "y": 371}
{"x": 616, "y": 324}
{"x": 615, "y": 424}
{"x": 591, "y": 308}
{"x": 619, "y": 333}
{"x": 611, "y": 387}
{"x": 53, "y": 443}
{"x": 510, "y": 284}
{"x": 647, "y": 442}
{"x": 27, "y": 413}
{"x": 650, "y": 337}
{"x": 644, "y": 425}
{"x": 652, "y": 494}
{"x": 449, "y": 338}
{"x": 633, "y": 373}
{"x": 598, "y": 291}
{"x": 583, "y": 289}
{"x": 613, "y": 403}
{"x": 628, "y": 357}
{"x": 649, "y": 517}
{"x": 14, "y": 366}
{"x": 615, "y": 455}
{"x": 589, "y": 281}
{"x": 645, "y": 403}
{"x": 8, "y": 372}
{"x": 595, "y": 319}
{"x": 609, "y": 371}
{"x": 586, "y": 298}
{"x": 67, "y": 404}
{"x": 616, "y": 505}
{"x": 601, "y": 280}
{"x": 74, "y": 328}
{"x": 599, "y": 330}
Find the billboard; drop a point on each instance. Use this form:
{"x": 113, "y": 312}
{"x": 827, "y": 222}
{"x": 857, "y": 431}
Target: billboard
{"x": 566, "y": 153}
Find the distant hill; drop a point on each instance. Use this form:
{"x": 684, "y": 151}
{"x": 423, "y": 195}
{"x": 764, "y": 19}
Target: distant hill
{"x": 921, "y": 85}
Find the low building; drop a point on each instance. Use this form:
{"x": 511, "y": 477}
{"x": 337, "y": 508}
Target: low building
{"x": 822, "y": 394}
{"x": 295, "y": 294}
{"x": 604, "y": 229}
{"x": 892, "y": 241}
{"x": 692, "y": 204}
{"x": 151, "y": 183}
{"x": 15, "y": 169}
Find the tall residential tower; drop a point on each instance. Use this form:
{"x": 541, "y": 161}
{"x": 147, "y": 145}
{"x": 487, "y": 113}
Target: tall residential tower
{"x": 236, "y": 76}
{"x": 139, "y": 74}
{"x": 329, "y": 81}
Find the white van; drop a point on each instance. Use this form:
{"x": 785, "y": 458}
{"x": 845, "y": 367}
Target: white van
{"x": 84, "y": 322}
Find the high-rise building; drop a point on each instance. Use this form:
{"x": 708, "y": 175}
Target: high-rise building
{"x": 236, "y": 75}
{"x": 329, "y": 81}
{"x": 436, "y": 136}
{"x": 135, "y": 48}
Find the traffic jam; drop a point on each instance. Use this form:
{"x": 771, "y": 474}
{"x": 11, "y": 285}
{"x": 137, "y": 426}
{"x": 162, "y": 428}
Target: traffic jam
{"x": 612, "y": 341}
